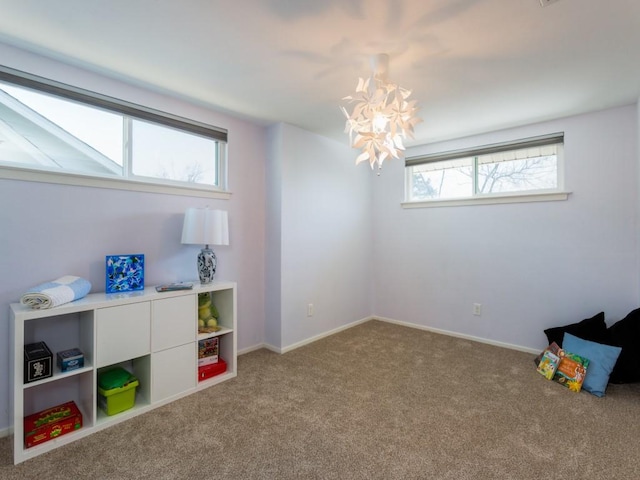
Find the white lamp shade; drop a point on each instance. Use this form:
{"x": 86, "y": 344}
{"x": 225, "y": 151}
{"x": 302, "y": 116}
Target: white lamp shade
{"x": 205, "y": 227}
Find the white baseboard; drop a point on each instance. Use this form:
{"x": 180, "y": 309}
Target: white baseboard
{"x": 272, "y": 348}
{"x": 388, "y": 320}
{"x": 5, "y": 432}
{"x": 318, "y": 337}
{"x": 460, "y": 335}
{"x": 252, "y": 348}
{"x": 279, "y": 350}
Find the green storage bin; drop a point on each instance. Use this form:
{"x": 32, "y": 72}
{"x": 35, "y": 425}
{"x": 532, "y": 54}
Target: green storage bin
{"x": 117, "y": 390}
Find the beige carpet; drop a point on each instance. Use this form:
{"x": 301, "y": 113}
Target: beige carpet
{"x": 377, "y": 401}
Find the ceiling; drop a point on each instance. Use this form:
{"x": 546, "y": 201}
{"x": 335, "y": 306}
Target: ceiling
{"x": 473, "y": 65}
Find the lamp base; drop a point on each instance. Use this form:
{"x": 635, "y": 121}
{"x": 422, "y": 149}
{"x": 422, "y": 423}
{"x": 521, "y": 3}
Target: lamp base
{"x": 207, "y": 263}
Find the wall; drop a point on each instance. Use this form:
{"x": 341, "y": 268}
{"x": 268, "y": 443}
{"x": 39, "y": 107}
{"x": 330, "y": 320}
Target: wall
{"x": 47, "y": 230}
{"x": 273, "y": 285}
{"x": 323, "y": 241}
{"x": 638, "y": 182}
{"x": 531, "y": 265}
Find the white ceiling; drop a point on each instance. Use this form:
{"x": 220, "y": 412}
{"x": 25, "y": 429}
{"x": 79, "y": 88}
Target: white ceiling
{"x": 473, "y": 65}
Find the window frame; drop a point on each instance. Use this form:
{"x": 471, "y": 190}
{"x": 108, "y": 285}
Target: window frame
{"x": 476, "y": 198}
{"x": 130, "y": 111}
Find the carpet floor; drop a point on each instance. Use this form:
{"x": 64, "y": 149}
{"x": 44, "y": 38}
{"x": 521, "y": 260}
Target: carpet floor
{"x": 376, "y": 401}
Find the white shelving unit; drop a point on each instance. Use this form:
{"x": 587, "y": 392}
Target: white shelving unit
{"x": 153, "y": 335}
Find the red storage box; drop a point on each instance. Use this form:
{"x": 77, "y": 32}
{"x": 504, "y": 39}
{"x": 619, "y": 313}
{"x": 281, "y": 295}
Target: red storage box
{"x": 51, "y": 423}
{"x": 211, "y": 370}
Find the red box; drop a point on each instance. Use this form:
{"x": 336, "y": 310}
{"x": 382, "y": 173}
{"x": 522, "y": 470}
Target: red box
{"x": 51, "y": 423}
{"x": 211, "y": 370}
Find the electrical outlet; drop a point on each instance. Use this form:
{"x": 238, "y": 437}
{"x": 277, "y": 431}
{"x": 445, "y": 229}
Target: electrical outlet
{"x": 477, "y": 309}
{"x": 544, "y": 3}
{"x": 310, "y": 310}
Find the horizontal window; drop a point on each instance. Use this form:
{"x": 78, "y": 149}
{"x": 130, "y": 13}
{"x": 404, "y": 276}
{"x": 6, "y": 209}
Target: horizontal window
{"x": 522, "y": 168}
{"x": 50, "y": 128}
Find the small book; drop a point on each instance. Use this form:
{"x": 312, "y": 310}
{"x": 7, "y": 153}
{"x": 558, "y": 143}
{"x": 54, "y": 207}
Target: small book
{"x": 548, "y": 364}
{"x": 553, "y": 348}
{"x": 208, "y": 351}
{"x": 170, "y": 287}
{"x": 571, "y": 371}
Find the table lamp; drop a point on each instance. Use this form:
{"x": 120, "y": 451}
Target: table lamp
{"x": 206, "y": 227}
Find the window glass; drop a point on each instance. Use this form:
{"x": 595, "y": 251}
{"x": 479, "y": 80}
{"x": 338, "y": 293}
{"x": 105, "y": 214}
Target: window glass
{"x": 529, "y": 166}
{"x": 48, "y": 128}
{"x": 518, "y": 171}
{"x": 448, "y": 179}
{"x": 57, "y": 128}
{"x": 165, "y": 153}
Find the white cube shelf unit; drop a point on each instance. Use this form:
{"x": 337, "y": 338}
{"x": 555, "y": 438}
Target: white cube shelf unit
{"x": 152, "y": 335}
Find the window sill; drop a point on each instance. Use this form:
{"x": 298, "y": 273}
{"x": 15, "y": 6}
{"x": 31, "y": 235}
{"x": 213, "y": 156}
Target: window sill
{"x": 554, "y": 196}
{"x": 113, "y": 183}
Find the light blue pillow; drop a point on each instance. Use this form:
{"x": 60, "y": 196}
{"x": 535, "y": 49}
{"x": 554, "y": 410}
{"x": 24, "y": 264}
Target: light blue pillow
{"x": 602, "y": 359}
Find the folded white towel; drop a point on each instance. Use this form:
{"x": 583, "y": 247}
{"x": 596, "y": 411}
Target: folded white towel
{"x": 57, "y": 292}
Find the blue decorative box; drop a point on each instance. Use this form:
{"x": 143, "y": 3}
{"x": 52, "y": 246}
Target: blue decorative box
{"x": 70, "y": 359}
{"x": 124, "y": 273}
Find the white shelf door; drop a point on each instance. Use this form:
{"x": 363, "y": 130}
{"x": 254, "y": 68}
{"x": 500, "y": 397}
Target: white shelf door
{"x": 174, "y": 322}
{"x": 174, "y": 371}
{"x": 123, "y": 333}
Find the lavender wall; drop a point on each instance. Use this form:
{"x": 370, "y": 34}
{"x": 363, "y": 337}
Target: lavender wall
{"x": 47, "y": 230}
{"x": 531, "y": 265}
{"x": 320, "y": 237}
{"x": 273, "y": 285}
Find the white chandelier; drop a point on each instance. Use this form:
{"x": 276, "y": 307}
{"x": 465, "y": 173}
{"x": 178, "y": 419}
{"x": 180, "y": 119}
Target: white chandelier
{"x": 382, "y": 116}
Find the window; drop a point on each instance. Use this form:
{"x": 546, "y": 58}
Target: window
{"x": 529, "y": 167}
{"x": 57, "y": 130}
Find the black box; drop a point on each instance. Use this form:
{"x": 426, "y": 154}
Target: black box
{"x": 38, "y": 361}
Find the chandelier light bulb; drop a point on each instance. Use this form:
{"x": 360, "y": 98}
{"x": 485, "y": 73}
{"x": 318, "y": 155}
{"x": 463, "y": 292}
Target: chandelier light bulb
{"x": 380, "y": 122}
